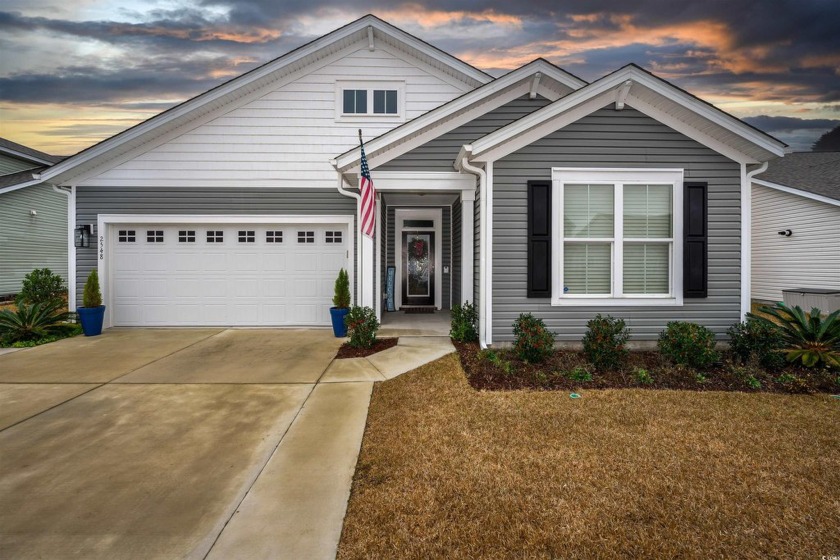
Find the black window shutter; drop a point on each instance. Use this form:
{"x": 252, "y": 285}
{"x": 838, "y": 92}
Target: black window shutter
{"x": 539, "y": 239}
{"x": 696, "y": 241}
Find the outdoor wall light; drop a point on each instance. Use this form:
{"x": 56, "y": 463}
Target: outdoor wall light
{"x": 81, "y": 237}
{"x": 786, "y": 233}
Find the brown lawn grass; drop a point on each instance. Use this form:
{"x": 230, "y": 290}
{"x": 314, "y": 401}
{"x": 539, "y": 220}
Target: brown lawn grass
{"x": 448, "y": 472}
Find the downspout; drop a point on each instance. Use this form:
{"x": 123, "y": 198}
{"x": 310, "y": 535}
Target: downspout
{"x": 350, "y": 194}
{"x": 71, "y": 246}
{"x": 746, "y": 235}
{"x": 482, "y": 269}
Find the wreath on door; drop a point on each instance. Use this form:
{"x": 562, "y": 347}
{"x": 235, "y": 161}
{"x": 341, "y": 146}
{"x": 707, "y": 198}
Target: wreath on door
{"x": 419, "y": 247}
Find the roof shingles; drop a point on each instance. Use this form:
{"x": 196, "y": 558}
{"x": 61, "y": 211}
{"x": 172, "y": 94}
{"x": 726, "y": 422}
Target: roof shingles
{"x": 813, "y": 172}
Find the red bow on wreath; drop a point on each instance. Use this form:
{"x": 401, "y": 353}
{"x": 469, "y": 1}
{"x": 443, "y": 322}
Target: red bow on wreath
{"x": 419, "y": 247}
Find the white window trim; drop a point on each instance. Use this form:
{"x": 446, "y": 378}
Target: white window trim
{"x": 617, "y": 176}
{"x": 369, "y": 86}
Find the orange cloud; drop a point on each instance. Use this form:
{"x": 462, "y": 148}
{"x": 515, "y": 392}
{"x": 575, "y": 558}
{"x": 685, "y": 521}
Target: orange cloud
{"x": 415, "y": 13}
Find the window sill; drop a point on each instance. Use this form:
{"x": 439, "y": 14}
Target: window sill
{"x": 616, "y": 302}
{"x": 369, "y": 117}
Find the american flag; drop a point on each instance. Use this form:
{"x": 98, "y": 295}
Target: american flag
{"x": 368, "y": 198}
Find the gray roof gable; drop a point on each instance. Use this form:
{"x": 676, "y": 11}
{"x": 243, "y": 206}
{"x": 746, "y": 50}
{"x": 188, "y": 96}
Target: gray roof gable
{"x": 26, "y": 153}
{"x": 813, "y": 172}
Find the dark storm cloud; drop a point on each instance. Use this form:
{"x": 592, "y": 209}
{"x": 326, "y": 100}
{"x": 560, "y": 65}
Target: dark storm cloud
{"x": 787, "y": 124}
{"x": 785, "y": 50}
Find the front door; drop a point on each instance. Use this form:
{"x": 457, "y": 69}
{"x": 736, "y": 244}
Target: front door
{"x": 418, "y": 274}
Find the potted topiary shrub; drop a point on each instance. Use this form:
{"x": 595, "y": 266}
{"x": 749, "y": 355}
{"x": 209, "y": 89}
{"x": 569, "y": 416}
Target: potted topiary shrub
{"x": 92, "y": 312}
{"x": 341, "y": 301}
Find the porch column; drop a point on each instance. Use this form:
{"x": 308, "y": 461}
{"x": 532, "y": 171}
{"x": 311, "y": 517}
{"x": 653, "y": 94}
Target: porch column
{"x": 467, "y": 244}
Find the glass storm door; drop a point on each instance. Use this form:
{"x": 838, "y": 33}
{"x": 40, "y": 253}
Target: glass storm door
{"x": 418, "y": 278}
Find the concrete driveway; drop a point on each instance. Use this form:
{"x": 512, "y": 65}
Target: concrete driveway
{"x": 165, "y": 443}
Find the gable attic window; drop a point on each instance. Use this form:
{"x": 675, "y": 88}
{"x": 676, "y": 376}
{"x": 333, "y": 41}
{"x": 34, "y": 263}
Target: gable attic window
{"x": 617, "y": 236}
{"x": 377, "y": 100}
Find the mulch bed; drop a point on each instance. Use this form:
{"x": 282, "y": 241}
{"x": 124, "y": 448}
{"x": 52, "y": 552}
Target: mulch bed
{"x": 347, "y": 351}
{"x": 510, "y": 373}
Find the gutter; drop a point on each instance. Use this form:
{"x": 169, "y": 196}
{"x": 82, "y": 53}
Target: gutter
{"x": 463, "y": 164}
{"x": 71, "y": 246}
{"x": 350, "y": 194}
{"x": 746, "y": 235}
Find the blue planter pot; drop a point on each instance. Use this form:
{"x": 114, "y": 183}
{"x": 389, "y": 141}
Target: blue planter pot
{"x": 338, "y": 315}
{"x": 91, "y": 319}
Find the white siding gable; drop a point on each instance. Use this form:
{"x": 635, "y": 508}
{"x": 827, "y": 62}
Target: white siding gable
{"x": 810, "y": 258}
{"x": 286, "y": 136}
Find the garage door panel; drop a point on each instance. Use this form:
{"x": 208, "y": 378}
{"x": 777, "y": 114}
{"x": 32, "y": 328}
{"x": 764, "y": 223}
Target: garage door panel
{"x": 187, "y": 280}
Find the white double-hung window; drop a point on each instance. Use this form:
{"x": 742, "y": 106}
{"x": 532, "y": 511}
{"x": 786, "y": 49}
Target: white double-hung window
{"x": 617, "y": 236}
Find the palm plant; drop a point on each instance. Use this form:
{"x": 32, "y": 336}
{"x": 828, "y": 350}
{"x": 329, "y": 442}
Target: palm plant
{"x": 32, "y": 322}
{"x": 808, "y": 338}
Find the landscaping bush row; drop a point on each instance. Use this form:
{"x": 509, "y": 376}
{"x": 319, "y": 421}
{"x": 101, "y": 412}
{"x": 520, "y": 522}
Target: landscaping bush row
{"x": 806, "y": 344}
{"x": 39, "y": 316}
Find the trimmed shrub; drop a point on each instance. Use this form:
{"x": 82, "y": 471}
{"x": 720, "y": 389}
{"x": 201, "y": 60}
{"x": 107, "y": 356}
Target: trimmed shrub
{"x": 757, "y": 340}
{"x": 463, "y": 325}
{"x": 534, "y": 342}
{"x": 688, "y": 344}
{"x": 605, "y": 342}
{"x": 809, "y": 338}
{"x": 341, "y": 299}
{"x": 92, "y": 296}
{"x": 42, "y": 286}
{"x": 362, "y": 326}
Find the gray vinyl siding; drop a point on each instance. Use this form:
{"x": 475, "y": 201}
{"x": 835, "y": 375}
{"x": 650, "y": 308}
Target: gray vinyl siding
{"x": 9, "y": 164}
{"x": 456, "y": 253}
{"x": 609, "y": 138}
{"x": 28, "y": 242}
{"x": 439, "y": 154}
{"x": 442, "y": 244}
{"x": 92, "y": 201}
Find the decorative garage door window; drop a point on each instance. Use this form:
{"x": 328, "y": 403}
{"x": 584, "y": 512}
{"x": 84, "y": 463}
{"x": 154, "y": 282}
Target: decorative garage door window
{"x": 154, "y": 236}
{"x": 126, "y": 236}
{"x": 333, "y": 237}
{"x": 306, "y": 237}
{"x": 274, "y": 237}
{"x": 247, "y": 236}
{"x": 215, "y": 236}
{"x": 186, "y": 236}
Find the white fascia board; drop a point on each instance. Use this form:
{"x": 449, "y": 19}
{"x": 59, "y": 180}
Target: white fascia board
{"x": 608, "y": 84}
{"x": 11, "y": 188}
{"x": 427, "y": 181}
{"x": 393, "y": 143}
{"x": 249, "y": 79}
{"x": 709, "y": 112}
{"x": 797, "y": 192}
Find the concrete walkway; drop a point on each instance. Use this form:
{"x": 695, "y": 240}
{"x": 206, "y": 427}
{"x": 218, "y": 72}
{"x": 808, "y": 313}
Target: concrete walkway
{"x": 410, "y": 353}
{"x": 193, "y": 443}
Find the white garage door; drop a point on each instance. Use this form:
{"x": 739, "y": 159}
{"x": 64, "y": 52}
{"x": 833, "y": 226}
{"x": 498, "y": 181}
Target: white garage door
{"x": 224, "y": 274}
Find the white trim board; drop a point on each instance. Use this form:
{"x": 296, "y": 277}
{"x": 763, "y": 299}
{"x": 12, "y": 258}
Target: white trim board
{"x": 603, "y": 92}
{"x": 797, "y": 192}
{"x": 104, "y": 251}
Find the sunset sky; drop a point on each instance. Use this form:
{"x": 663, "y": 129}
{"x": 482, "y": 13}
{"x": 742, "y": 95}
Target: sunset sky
{"x": 73, "y": 73}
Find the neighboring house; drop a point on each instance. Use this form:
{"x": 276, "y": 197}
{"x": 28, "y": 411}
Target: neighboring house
{"x": 33, "y": 217}
{"x": 533, "y": 192}
{"x": 796, "y": 225}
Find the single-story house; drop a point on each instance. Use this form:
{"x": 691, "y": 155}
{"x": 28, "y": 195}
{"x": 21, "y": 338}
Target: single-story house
{"x": 796, "y": 225}
{"x": 534, "y": 191}
{"x": 33, "y": 217}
